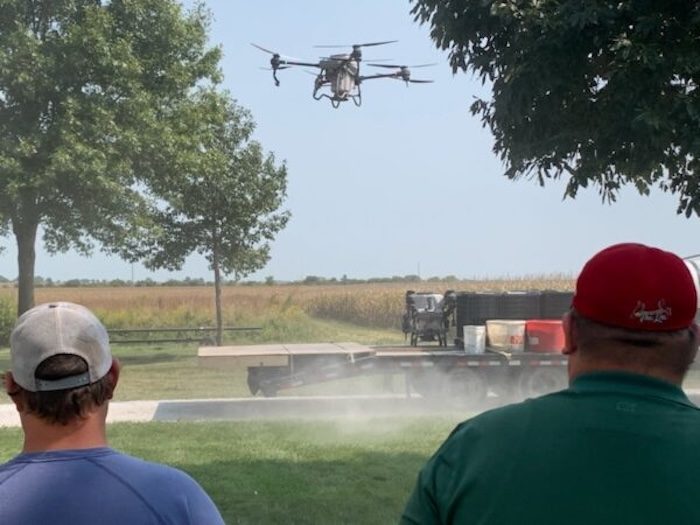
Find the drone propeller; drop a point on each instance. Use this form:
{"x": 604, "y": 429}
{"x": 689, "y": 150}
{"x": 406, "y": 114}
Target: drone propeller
{"x": 275, "y": 55}
{"x": 354, "y": 46}
{"x": 418, "y": 81}
{"x": 263, "y": 49}
{"x": 276, "y": 62}
{"x": 394, "y": 66}
{"x": 356, "y": 53}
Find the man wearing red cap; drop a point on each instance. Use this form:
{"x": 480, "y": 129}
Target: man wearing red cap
{"x": 620, "y": 445}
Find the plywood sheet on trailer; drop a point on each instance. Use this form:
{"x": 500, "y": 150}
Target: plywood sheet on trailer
{"x": 274, "y": 354}
{"x": 243, "y": 356}
{"x": 327, "y": 349}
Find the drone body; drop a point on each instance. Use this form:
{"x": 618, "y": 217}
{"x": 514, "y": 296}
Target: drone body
{"x": 339, "y": 77}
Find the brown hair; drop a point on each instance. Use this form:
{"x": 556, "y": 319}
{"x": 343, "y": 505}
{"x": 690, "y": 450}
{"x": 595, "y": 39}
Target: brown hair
{"x": 673, "y": 351}
{"x": 63, "y": 406}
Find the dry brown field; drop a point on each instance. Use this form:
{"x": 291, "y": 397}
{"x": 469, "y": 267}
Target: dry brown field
{"x": 377, "y": 305}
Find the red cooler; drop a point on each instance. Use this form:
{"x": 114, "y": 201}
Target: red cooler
{"x": 544, "y": 335}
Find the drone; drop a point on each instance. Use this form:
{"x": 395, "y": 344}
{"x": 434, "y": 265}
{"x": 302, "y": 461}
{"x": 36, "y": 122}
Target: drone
{"x": 340, "y": 73}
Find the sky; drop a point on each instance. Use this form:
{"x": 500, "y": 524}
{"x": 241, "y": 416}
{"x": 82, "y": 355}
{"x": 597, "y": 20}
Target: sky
{"x": 405, "y": 184}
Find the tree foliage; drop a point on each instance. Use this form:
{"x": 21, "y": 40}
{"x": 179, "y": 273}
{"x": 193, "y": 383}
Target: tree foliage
{"x": 224, "y": 203}
{"x": 87, "y": 91}
{"x": 603, "y": 93}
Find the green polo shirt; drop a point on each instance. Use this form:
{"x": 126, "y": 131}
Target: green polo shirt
{"x": 614, "y": 448}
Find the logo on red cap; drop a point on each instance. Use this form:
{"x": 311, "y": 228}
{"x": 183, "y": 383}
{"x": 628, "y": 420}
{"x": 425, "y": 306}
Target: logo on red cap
{"x": 661, "y": 314}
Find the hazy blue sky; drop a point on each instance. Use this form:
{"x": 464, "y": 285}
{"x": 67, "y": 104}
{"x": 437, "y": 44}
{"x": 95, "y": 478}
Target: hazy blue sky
{"x": 406, "y": 183}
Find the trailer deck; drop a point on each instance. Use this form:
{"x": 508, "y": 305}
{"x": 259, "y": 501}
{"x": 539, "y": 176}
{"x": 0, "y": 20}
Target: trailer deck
{"x": 429, "y": 370}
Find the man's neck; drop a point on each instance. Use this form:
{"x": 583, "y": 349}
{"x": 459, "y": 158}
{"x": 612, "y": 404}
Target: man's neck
{"x": 40, "y": 436}
{"x": 578, "y": 367}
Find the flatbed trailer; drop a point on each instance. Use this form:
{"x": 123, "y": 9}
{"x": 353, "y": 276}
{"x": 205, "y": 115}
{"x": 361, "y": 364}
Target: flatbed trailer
{"x": 430, "y": 371}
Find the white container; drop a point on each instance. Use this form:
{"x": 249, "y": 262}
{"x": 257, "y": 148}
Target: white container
{"x": 505, "y": 334}
{"x": 474, "y": 339}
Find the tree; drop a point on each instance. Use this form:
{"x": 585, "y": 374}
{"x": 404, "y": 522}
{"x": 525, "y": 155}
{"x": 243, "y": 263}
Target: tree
{"x": 224, "y": 201}
{"x": 604, "y": 93}
{"x": 87, "y": 91}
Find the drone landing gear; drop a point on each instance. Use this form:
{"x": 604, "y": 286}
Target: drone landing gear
{"x": 357, "y": 99}
{"x": 335, "y": 101}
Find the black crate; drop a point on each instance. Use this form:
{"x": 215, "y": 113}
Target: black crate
{"x": 475, "y": 309}
{"x": 516, "y": 305}
{"x": 555, "y": 304}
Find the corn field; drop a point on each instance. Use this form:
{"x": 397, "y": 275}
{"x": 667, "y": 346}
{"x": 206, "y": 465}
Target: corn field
{"x": 376, "y": 305}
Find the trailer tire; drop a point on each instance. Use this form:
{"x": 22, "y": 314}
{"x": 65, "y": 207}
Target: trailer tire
{"x": 253, "y": 382}
{"x": 465, "y": 388}
{"x": 542, "y": 380}
{"x": 425, "y": 383}
{"x": 269, "y": 391}
{"x": 462, "y": 388}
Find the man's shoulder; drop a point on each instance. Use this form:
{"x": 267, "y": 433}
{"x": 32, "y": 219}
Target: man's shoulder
{"x": 130, "y": 487}
{"x": 502, "y": 421}
{"x": 120, "y": 463}
{"x": 110, "y": 462}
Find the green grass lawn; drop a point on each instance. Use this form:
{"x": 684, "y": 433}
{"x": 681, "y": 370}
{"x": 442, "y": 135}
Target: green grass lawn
{"x": 354, "y": 471}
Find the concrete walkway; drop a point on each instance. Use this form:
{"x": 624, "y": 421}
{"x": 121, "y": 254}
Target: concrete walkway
{"x": 306, "y": 407}
{"x": 288, "y": 407}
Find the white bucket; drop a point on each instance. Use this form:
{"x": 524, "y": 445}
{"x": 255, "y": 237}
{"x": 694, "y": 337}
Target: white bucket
{"x": 507, "y": 335}
{"x": 474, "y": 339}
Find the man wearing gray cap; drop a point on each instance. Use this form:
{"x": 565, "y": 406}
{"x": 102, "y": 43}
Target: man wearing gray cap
{"x": 61, "y": 380}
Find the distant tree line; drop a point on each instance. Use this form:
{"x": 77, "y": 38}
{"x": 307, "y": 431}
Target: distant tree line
{"x": 46, "y": 282}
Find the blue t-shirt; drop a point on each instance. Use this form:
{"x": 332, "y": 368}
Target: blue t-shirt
{"x": 99, "y": 485}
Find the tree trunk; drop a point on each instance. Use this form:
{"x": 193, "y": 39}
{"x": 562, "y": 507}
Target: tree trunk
{"x": 217, "y": 296}
{"x": 25, "y": 235}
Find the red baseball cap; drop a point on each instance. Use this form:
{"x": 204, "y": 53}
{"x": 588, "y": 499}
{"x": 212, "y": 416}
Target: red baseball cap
{"x": 637, "y": 287}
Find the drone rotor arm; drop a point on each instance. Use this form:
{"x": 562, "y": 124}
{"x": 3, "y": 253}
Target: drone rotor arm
{"x": 372, "y": 77}
{"x": 298, "y": 63}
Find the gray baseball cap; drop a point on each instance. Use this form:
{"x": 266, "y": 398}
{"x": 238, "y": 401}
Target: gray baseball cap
{"x": 58, "y": 328}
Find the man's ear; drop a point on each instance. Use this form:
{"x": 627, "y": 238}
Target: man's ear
{"x": 569, "y": 326}
{"x": 113, "y": 376}
{"x": 695, "y": 333}
{"x": 12, "y": 389}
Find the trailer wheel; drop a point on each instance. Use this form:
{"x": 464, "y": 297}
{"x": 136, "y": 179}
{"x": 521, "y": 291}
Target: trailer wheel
{"x": 505, "y": 388}
{"x": 269, "y": 391}
{"x": 425, "y": 383}
{"x": 542, "y": 380}
{"x": 465, "y": 388}
{"x": 253, "y": 382}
